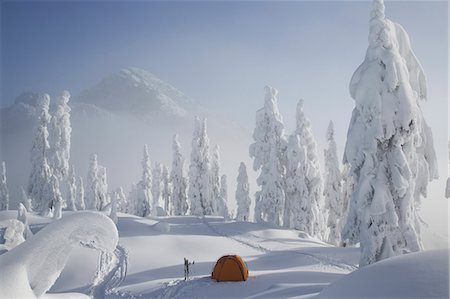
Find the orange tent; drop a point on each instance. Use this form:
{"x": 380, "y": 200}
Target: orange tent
{"x": 230, "y": 268}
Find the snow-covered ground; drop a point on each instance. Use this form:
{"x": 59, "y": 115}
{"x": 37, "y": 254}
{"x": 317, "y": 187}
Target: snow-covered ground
{"x": 282, "y": 263}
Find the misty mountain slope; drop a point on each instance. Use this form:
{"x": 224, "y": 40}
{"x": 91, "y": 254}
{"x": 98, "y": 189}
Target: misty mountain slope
{"x": 116, "y": 126}
{"x": 138, "y": 92}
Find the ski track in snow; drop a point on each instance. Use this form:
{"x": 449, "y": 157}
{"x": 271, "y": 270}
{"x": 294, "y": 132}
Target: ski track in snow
{"x": 324, "y": 260}
{"x": 179, "y": 288}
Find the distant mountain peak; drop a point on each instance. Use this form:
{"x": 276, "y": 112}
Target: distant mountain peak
{"x": 139, "y": 92}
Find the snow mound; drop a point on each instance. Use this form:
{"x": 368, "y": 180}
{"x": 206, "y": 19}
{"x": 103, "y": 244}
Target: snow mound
{"x": 415, "y": 275}
{"x": 33, "y": 266}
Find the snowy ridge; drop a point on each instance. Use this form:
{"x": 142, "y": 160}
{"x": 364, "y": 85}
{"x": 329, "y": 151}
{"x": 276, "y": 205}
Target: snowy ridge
{"x": 138, "y": 92}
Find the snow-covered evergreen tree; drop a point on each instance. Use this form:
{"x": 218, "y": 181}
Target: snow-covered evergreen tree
{"x": 144, "y": 187}
{"x": 156, "y": 186}
{"x": 268, "y": 152}
{"x": 222, "y": 207}
{"x": 93, "y": 185}
{"x": 55, "y": 194}
{"x": 179, "y": 197}
{"x": 447, "y": 189}
{"x": 333, "y": 189}
{"x": 39, "y": 183}
{"x": 389, "y": 144}
{"x": 4, "y": 194}
{"x": 215, "y": 181}
{"x": 166, "y": 190}
{"x": 299, "y": 210}
{"x": 348, "y": 186}
{"x": 25, "y": 200}
{"x": 103, "y": 196}
{"x": 313, "y": 177}
{"x": 122, "y": 202}
{"x": 80, "y": 205}
{"x": 22, "y": 217}
{"x": 60, "y": 132}
{"x": 242, "y": 194}
{"x": 71, "y": 190}
{"x": 199, "y": 172}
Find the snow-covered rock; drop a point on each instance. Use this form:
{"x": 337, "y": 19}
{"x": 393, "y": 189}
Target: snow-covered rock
{"x": 31, "y": 268}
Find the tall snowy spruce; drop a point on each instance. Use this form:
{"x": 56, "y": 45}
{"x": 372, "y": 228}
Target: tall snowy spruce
{"x": 348, "y": 186}
{"x": 156, "y": 186}
{"x": 179, "y": 197}
{"x": 222, "y": 206}
{"x": 103, "y": 196}
{"x": 215, "y": 180}
{"x": 166, "y": 190}
{"x": 122, "y": 202}
{"x": 143, "y": 192}
{"x": 71, "y": 190}
{"x": 333, "y": 189}
{"x": 40, "y": 180}
{"x": 268, "y": 152}
{"x": 93, "y": 185}
{"x": 299, "y": 211}
{"x": 313, "y": 179}
{"x": 243, "y": 200}
{"x": 80, "y": 203}
{"x": 199, "y": 191}
{"x": 60, "y": 132}
{"x": 4, "y": 194}
{"x": 389, "y": 145}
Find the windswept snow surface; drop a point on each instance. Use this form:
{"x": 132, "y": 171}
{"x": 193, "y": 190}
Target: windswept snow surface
{"x": 415, "y": 275}
{"x": 282, "y": 263}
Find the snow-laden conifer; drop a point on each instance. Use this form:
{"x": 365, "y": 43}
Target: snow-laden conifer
{"x": 313, "y": 177}
{"x": 144, "y": 187}
{"x": 156, "y": 186}
{"x": 299, "y": 211}
{"x": 93, "y": 185}
{"x": 71, "y": 190}
{"x": 199, "y": 172}
{"x": 22, "y": 217}
{"x": 333, "y": 189}
{"x": 243, "y": 200}
{"x": 60, "y": 132}
{"x": 348, "y": 186}
{"x": 122, "y": 201}
{"x": 166, "y": 190}
{"x": 179, "y": 197}
{"x": 389, "y": 144}
{"x": 268, "y": 152}
{"x": 222, "y": 204}
{"x": 39, "y": 183}
{"x": 4, "y": 194}
{"x": 215, "y": 180}
{"x": 103, "y": 196}
{"x": 80, "y": 204}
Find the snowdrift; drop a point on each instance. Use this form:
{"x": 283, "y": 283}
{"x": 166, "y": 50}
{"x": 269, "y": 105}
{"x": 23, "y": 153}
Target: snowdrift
{"x": 30, "y": 269}
{"x": 415, "y": 275}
